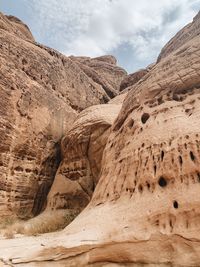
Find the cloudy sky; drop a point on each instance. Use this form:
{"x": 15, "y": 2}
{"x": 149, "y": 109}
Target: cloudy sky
{"x": 132, "y": 30}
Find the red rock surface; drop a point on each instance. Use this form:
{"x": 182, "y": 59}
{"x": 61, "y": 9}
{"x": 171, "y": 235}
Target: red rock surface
{"x": 82, "y": 150}
{"x": 41, "y": 92}
{"x": 145, "y": 207}
{"x": 186, "y": 34}
{"x": 132, "y": 79}
{"x": 103, "y": 71}
{"x": 15, "y": 26}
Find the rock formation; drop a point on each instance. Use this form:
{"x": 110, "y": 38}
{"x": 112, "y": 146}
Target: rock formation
{"x": 186, "y": 34}
{"x": 103, "y": 70}
{"x": 145, "y": 207}
{"x": 41, "y": 92}
{"x": 82, "y": 150}
{"x": 15, "y": 26}
{"x": 134, "y": 78}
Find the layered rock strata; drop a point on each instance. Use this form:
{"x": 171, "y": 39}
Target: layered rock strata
{"x": 103, "y": 71}
{"x": 82, "y": 150}
{"x": 42, "y": 91}
{"x": 145, "y": 207}
{"x": 186, "y": 34}
{"x": 132, "y": 79}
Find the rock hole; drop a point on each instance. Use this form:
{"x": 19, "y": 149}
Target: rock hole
{"x": 180, "y": 160}
{"x": 160, "y": 100}
{"x": 24, "y": 61}
{"x": 140, "y": 188}
{"x": 19, "y": 169}
{"x": 162, "y": 155}
{"x": 162, "y": 182}
{"x": 131, "y": 123}
{"x": 155, "y": 168}
{"x": 198, "y": 176}
{"x": 185, "y": 146}
{"x": 175, "y": 204}
{"x": 175, "y": 97}
{"x": 192, "y": 156}
{"x": 145, "y": 117}
{"x": 148, "y": 185}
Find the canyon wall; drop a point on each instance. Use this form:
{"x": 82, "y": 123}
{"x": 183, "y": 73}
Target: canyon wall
{"x": 42, "y": 91}
{"x": 145, "y": 206}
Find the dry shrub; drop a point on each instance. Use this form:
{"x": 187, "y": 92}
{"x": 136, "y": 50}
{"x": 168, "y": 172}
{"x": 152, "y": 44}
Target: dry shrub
{"x": 48, "y": 221}
{"x": 7, "y": 221}
{"x": 8, "y": 234}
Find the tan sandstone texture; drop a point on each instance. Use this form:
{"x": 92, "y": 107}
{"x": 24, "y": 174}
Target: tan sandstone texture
{"x": 41, "y": 92}
{"x": 82, "y": 150}
{"x": 146, "y": 206}
{"x": 186, "y": 34}
{"x": 132, "y": 79}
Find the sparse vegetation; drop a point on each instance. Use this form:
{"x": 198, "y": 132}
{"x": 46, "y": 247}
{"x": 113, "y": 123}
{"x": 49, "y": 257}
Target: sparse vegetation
{"x": 48, "y": 221}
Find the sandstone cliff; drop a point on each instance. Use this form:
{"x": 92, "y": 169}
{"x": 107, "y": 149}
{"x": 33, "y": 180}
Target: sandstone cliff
{"x": 82, "y": 150}
{"x": 42, "y": 91}
{"x": 145, "y": 207}
{"x": 186, "y": 34}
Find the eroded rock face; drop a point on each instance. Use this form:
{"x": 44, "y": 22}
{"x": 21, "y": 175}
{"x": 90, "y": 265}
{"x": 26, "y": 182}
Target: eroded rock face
{"x": 145, "y": 207}
{"x": 103, "y": 71}
{"x": 82, "y": 150}
{"x": 14, "y": 25}
{"x": 132, "y": 78}
{"x": 41, "y": 92}
{"x": 183, "y": 36}
{"x": 137, "y": 77}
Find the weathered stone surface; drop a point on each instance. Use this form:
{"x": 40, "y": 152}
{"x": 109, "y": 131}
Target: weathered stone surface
{"x": 183, "y": 36}
{"x": 41, "y": 93}
{"x": 14, "y": 25}
{"x": 145, "y": 207}
{"x": 103, "y": 71}
{"x": 132, "y": 78}
{"x": 82, "y": 150}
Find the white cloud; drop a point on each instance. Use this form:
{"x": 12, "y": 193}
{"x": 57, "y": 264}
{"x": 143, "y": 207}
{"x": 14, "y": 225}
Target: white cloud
{"x": 96, "y": 27}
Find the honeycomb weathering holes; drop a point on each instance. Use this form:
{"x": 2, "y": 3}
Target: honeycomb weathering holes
{"x": 162, "y": 181}
{"x": 145, "y": 117}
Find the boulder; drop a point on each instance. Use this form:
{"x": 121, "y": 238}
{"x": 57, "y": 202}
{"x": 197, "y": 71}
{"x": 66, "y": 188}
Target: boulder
{"x": 82, "y": 150}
